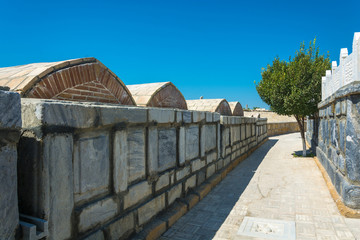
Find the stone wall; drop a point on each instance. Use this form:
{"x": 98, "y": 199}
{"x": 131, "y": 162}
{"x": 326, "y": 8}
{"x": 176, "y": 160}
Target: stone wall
{"x": 339, "y": 141}
{"x": 104, "y": 171}
{"x": 278, "y": 128}
{"x": 10, "y": 123}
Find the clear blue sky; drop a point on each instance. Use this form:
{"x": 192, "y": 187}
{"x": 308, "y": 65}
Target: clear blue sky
{"x": 214, "y": 49}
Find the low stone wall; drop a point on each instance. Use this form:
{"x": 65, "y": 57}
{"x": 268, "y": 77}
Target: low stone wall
{"x": 339, "y": 142}
{"x": 279, "y": 128}
{"x": 104, "y": 171}
{"x": 10, "y": 123}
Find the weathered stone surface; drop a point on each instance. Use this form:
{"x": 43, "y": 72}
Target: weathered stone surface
{"x": 179, "y": 116}
{"x": 120, "y": 161}
{"x": 162, "y": 182}
{"x": 190, "y": 182}
{"x": 210, "y": 137}
{"x": 137, "y": 193}
{"x": 58, "y": 151}
{"x": 150, "y": 209}
{"x": 201, "y": 176}
{"x": 198, "y": 116}
{"x": 124, "y": 225}
{"x": 167, "y": 149}
{"x": 91, "y": 164}
{"x": 342, "y": 136}
{"x": 197, "y": 164}
{"x": 192, "y": 142}
{"x": 174, "y": 193}
{"x": 96, "y": 213}
{"x": 9, "y": 214}
{"x": 161, "y": 115}
{"x": 182, "y": 145}
{"x": 187, "y": 117}
{"x": 211, "y": 157}
{"x": 242, "y": 132}
{"x": 181, "y": 173}
{"x": 209, "y": 116}
{"x": 351, "y": 195}
{"x": 235, "y": 134}
{"x": 136, "y": 153}
{"x": 338, "y": 108}
{"x": 210, "y": 170}
{"x": 216, "y": 117}
{"x": 10, "y": 109}
{"x": 153, "y": 153}
{"x": 99, "y": 235}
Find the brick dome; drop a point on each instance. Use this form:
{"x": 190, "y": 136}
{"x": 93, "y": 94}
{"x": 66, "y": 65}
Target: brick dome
{"x": 84, "y": 79}
{"x": 236, "y": 109}
{"x": 162, "y": 94}
{"x": 211, "y": 105}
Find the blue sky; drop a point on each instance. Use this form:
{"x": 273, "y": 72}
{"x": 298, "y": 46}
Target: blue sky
{"x": 214, "y": 49}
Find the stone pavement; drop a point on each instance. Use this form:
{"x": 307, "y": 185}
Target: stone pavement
{"x": 269, "y": 184}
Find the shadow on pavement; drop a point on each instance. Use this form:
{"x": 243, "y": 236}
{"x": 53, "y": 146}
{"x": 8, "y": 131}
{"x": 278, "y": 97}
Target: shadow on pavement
{"x": 203, "y": 221}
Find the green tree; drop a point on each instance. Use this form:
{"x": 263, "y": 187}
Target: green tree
{"x": 294, "y": 87}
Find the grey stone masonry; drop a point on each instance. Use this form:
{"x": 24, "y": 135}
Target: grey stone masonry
{"x": 102, "y": 171}
{"x": 10, "y": 124}
{"x": 338, "y": 143}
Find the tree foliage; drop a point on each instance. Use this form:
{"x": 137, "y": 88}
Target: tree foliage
{"x": 294, "y": 87}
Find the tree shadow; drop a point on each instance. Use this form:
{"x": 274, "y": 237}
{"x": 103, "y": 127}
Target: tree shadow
{"x": 205, "y": 219}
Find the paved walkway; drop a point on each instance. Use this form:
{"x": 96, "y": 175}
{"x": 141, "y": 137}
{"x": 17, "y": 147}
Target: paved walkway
{"x": 269, "y": 184}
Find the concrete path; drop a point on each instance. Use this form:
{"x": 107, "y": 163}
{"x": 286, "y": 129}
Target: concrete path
{"x": 270, "y": 184}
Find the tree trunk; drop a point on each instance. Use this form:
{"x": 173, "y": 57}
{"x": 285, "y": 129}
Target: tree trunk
{"x": 301, "y": 123}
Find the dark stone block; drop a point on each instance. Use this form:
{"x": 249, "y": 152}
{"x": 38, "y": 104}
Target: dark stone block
{"x": 351, "y": 195}
{"x": 338, "y": 108}
{"x": 342, "y": 135}
{"x": 341, "y": 163}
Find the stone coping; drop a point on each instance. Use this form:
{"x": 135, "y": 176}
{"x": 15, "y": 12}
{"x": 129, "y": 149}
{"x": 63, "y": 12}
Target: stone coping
{"x": 347, "y": 90}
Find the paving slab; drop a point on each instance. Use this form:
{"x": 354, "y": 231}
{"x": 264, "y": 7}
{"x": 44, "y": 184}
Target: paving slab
{"x": 270, "y": 184}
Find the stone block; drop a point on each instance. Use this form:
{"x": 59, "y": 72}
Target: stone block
{"x": 182, "y": 146}
{"x": 120, "y": 161}
{"x": 351, "y": 195}
{"x": 112, "y": 115}
{"x": 190, "y": 182}
{"x": 137, "y": 193}
{"x": 9, "y": 213}
{"x": 216, "y": 117}
{"x": 211, "y": 157}
{"x": 191, "y": 142}
{"x": 187, "y": 117}
{"x": 161, "y": 115}
{"x": 235, "y": 134}
{"x": 342, "y": 135}
{"x": 162, "y": 182}
{"x": 334, "y": 133}
{"x": 202, "y": 141}
{"x": 136, "y": 153}
{"x": 150, "y": 209}
{"x": 167, "y": 149}
{"x": 181, "y": 173}
{"x": 352, "y": 154}
{"x": 210, "y": 170}
{"x": 122, "y": 227}
{"x": 243, "y": 132}
{"x": 96, "y": 213}
{"x": 179, "y": 116}
{"x": 174, "y": 193}
{"x": 220, "y": 164}
{"x": 198, "y": 116}
{"x": 210, "y": 137}
{"x": 10, "y": 109}
{"x": 197, "y": 164}
{"x": 58, "y": 151}
{"x": 201, "y": 176}
{"x": 91, "y": 164}
{"x": 209, "y": 116}
{"x": 338, "y": 108}
{"x": 153, "y": 151}
{"x": 343, "y": 107}
{"x": 224, "y": 120}
{"x": 98, "y": 235}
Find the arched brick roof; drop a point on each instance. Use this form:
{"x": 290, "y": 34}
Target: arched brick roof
{"x": 84, "y": 79}
{"x": 162, "y": 94}
{"x": 236, "y": 109}
{"x": 211, "y": 105}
